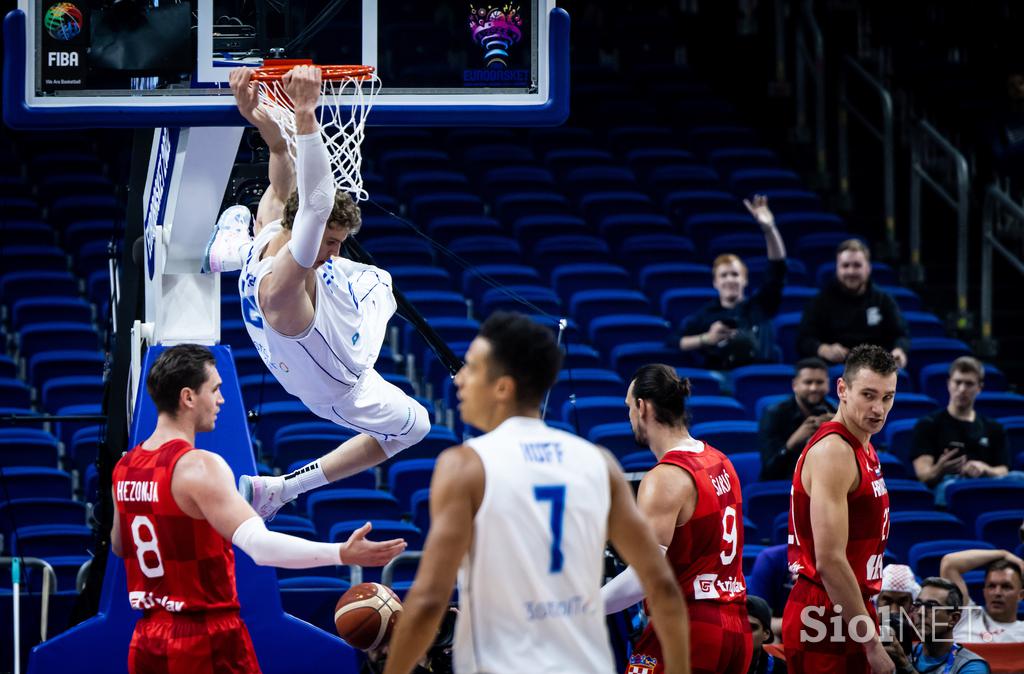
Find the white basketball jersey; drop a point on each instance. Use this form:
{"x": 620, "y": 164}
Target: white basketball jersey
{"x": 530, "y": 586}
{"x": 353, "y": 305}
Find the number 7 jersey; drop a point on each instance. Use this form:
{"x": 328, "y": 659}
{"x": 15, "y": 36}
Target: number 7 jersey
{"x": 174, "y": 563}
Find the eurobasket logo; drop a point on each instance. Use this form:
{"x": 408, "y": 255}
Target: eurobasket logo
{"x": 63, "y": 21}
{"x": 496, "y": 31}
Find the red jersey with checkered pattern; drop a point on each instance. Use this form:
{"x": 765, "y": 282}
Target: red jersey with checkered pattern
{"x": 868, "y": 507}
{"x": 706, "y": 553}
{"x": 174, "y": 562}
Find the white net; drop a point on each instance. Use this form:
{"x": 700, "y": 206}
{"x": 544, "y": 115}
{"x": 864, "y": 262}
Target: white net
{"x": 344, "y": 107}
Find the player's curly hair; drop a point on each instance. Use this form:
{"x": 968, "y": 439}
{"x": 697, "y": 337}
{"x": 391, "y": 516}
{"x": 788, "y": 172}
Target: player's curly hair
{"x": 345, "y": 214}
{"x": 871, "y": 357}
{"x": 181, "y": 366}
{"x": 525, "y": 351}
{"x": 662, "y": 387}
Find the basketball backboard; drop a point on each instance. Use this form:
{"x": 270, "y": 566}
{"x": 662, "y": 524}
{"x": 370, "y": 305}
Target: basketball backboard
{"x": 103, "y": 63}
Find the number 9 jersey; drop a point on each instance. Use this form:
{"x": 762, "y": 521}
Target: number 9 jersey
{"x": 175, "y": 564}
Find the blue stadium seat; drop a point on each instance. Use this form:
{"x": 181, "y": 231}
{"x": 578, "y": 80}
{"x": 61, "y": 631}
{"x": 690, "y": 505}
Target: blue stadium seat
{"x": 820, "y": 247}
{"x": 438, "y": 303}
{"x": 587, "y": 305}
{"x": 684, "y": 204}
{"x": 258, "y": 389}
{"x": 968, "y": 499}
{"x": 585, "y": 382}
{"x": 617, "y": 437}
{"x": 748, "y": 468}
{"x": 596, "y": 207}
{"x": 909, "y": 527}
{"x": 80, "y": 232}
{"x": 44, "y": 309}
{"x": 511, "y": 207}
{"x": 765, "y": 402}
{"x": 19, "y": 207}
{"x": 645, "y": 161}
{"x": 703, "y": 227}
{"x": 899, "y": 437}
{"x": 715, "y": 408}
{"x": 28, "y": 451}
{"x": 640, "y": 250}
{"x": 752, "y": 382}
{"x": 607, "y": 332}
{"x": 273, "y": 416}
{"x": 482, "y": 156}
{"x": 909, "y": 495}
{"x": 792, "y": 200}
{"x": 625, "y": 138}
{"x": 57, "y": 336}
{"x": 703, "y": 382}
{"x": 383, "y": 529}
{"x": 893, "y": 467}
{"x": 552, "y": 251}
{"x": 1014, "y": 427}
{"x": 407, "y": 477}
{"x": 786, "y": 327}
{"x": 8, "y": 368}
{"x": 94, "y": 256}
{"x": 906, "y": 298}
{"x": 420, "y": 502}
{"x": 425, "y": 208}
{"x": 51, "y": 540}
{"x": 730, "y": 437}
{"x": 26, "y": 512}
{"x": 64, "y": 210}
{"x": 578, "y": 356}
{"x": 594, "y": 179}
{"x": 627, "y": 358}
{"x": 924, "y": 557}
{"x": 414, "y": 183}
{"x": 312, "y": 598}
{"x": 569, "y": 279}
{"x": 796, "y": 224}
{"x": 911, "y": 406}
{"x": 517, "y": 179}
{"x": 762, "y": 501}
{"x": 83, "y": 447}
{"x": 705, "y": 139}
{"x": 680, "y": 303}
{"x": 65, "y": 430}
{"x": 33, "y": 258}
{"x": 325, "y": 508}
{"x": 999, "y": 404}
{"x": 587, "y": 413}
{"x": 674, "y": 177}
{"x": 1000, "y": 527}
{"x": 449, "y": 226}
{"x": 746, "y": 182}
{"x": 638, "y": 461}
{"x": 391, "y": 251}
{"x": 421, "y": 277}
{"x": 62, "y": 392}
{"x": 511, "y": 297}
{"x": 486, "y": 250}
{"x": 744, "y": 244}
{"x": 795, "y": 298}
{"x": 15, "y": 393}
{"x": 728, "y": 160}
{"x": 25, "y": 482}
{"x": 757, "y": 267}
{"x": 924, "y": 324}
{"x": 291, "y": 448}
{"x": 21, "y": 284}
{"x": 438, "y": 439}
{"x": 531, "y": 229}
{"x": 656, "y": 279}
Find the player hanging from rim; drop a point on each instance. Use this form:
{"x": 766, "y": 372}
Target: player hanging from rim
{"x": 317, "y": 320}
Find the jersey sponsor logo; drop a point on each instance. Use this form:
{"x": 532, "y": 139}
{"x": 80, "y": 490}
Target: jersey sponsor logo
{"x": 135, "y": 490}
{"x": 542, "y": 452}
{"x": 730, "y": 585}
{"x": 721, "y": 484}
{"x": 565, "y": 608}
{"x": 704, "y": 586}
{"x": 641, "y": 664}
{"x": 878, "y": 487}
{"x": 140, "y": 600}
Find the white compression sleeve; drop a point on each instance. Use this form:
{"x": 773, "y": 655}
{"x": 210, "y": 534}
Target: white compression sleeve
{"x": 316, "y": 197}
{"x": 270, "y": 548}
{"x": 623, "y": 590}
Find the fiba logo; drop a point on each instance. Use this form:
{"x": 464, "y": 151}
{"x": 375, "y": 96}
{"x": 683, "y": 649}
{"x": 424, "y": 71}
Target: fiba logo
{"x": 495, "y": 30}
{"x": 63, "y": 21}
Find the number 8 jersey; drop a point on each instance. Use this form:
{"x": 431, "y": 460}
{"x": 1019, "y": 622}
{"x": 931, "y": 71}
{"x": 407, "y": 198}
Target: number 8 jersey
{"x": 174, "y": 563}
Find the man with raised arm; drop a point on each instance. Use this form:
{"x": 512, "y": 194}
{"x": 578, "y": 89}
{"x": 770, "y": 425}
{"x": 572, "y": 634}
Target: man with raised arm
{"x": 838, "y": 526}
{"x": 317, "y": 320}
{"x": 178, "y": 513}
{"x": 522, "y": 514}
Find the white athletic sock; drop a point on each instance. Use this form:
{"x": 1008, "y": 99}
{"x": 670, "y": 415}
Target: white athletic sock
{"x": 302, "y": 480}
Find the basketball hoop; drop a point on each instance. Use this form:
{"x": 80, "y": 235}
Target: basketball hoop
{"x": 342, "y": 122}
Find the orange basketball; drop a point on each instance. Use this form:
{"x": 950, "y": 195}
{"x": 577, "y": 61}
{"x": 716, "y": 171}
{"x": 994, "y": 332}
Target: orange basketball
{"x": 366, "y": 614}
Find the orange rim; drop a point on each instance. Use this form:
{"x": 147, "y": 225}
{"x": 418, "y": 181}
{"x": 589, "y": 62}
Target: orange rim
{"x": 274, "y": 70}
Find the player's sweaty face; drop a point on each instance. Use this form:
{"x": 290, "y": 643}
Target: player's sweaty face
{"x": 330, "y": 245}
{"x": 473, "y": 383}
{"x": 867, "y": 398}
{"x": 209, "y": 400}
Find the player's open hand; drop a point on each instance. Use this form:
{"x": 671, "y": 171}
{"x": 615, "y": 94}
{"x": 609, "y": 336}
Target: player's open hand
{"x": 759, "y": 209}
{"x": 302, "y": 84}
{"x": 358, "y": 550}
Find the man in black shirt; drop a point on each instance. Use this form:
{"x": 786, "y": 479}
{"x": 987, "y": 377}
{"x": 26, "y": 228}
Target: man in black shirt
{"x": 786, "y": 427}
{"x": 850, "y": 311}
{"x": 735, "y": 330}
{"x": 956, "y": 441}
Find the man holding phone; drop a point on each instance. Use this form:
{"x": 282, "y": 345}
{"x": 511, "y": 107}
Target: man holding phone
{"x": 956, "y": 441}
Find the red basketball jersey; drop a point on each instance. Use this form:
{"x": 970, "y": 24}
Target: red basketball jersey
{"x": 174, "y": 562}
{"x": 706, "y": 553}
{"x": 868, "y": 507}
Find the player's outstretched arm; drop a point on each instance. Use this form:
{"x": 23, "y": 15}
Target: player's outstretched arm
{"x": 831, "y": 470}
{"x": 282, "y": 170}
{"x": 455, "y": 494}
{"x": 635, "y": 541}
{"x": 203, "y": 485}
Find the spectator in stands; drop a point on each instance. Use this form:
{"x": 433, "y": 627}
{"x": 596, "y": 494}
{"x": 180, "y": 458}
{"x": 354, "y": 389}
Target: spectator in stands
{"x": 937, "y": 615}
{"x": 956, "y": 441}
{"x": 850, "y": 311}
{"x": 770, "y": 579}
{"x": 734, "y": 330}
{"x": 760, "y": 616}
{"x": 1004, "y": 590}
{"x": 785, "y": 427}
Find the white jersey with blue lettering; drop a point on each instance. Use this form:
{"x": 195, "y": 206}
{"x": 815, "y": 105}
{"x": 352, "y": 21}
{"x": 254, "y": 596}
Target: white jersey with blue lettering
{"x": 530, "y": 586}
{"x": 353, "y": 305}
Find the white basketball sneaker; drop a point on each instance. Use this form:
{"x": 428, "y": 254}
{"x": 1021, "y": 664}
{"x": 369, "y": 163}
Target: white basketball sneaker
{"x": 263, "y": 493}
{"x": 230, "y": 234}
